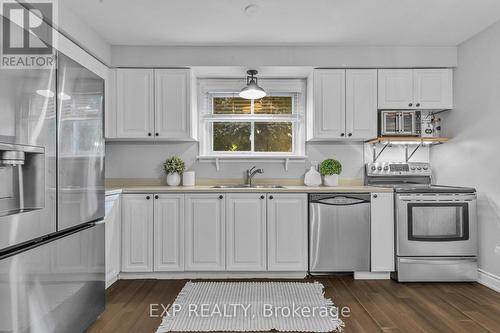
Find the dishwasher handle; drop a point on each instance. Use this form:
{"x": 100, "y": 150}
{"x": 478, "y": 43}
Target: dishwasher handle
{"x": 341, "y": 200}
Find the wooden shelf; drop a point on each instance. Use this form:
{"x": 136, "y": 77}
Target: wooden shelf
{"x": 406, "y": 140}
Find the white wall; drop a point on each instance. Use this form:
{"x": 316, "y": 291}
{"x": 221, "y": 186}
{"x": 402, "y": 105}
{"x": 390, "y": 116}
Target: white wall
{"x": 70, "y": 24}
{"x": 471, "y": 158}
{"x": 144, "y": 160}
{"x": 252, "y": 56}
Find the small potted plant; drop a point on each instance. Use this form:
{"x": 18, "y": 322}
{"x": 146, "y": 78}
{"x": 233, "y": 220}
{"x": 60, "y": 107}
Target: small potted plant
{"x": 174, "y": 167}
{"x": 330, "y": 169}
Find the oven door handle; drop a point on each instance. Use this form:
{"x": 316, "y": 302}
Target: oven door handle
{"x": 437, "y": 261}
{"x": 437, "y": 198}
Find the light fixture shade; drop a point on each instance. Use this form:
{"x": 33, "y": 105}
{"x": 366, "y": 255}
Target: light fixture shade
{"x": 252, "y": 89}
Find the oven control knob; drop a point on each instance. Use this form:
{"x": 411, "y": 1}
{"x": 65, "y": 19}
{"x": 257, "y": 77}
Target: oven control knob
{"x": 419, "y": 168}
{"x": 373, "y": 168}
{"x": 379, "y": 168}
{"x": 386, "y": 168}
{"x": 425, "y": 167}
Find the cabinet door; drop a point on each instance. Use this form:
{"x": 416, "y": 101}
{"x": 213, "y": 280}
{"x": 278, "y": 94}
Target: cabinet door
{"x": 134, "y": 103}
{"x": 382, "y": 232}
{"x": 205, "y": 232}
{"x": 112, "y": 223}
{"x": 137, "y": 241}
{"x": 433, "y": 88}
{"x": 172, "y": 107}
{"x": 169, "y": 232}
{"x": 395, "y": 89}
{"x": 329, "y": 104}
{"x": 246, "y": 232}
{"x": 287, "y": 232}
{"x": 361, "y": 103}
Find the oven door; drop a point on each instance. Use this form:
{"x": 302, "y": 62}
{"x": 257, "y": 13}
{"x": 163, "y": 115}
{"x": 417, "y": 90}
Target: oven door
{"x": 436, "y": 225}
{"x": 390, "y": 123}
{"x": 407, "y": 123}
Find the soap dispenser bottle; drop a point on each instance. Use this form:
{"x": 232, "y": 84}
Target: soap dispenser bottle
{"x": 313, "y": 177}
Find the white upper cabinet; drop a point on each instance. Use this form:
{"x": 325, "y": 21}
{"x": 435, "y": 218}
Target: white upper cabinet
{"x": 137, "y": 225}
{"x": 361, "y": 103}
{"x": 168, "y": 232}
{"x": 134, "y": 103}
{"x": 205, "y": 232}
{"x": 172, "y": 107}
{"x": 382, "y": 232}
{"x": 246, "y": 232}
{"x": 152, "y": 104}
{"x": 433, "y": 88}
{"x": 287, "y": 232}
{"x": 395, "y": 89}
{"x": 345, "y": 104}
{"x": 329, "y": 104}
{"x": 415, "y": 89}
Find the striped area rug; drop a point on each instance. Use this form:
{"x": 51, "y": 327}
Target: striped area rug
{"x": 251, "y": 307}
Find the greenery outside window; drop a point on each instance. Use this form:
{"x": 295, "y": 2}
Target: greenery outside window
{"x": 271, "y": 126}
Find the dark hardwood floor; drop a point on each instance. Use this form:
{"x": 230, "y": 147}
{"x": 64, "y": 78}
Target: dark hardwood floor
{"x": 376, "y": 306}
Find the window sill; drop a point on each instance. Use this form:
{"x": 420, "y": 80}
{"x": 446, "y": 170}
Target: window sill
{"x": 286, "y": 159}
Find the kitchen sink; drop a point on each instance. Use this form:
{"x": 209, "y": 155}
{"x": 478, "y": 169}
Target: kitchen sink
{"x": 248, "y": 186}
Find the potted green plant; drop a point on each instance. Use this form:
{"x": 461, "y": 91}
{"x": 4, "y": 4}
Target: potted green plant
{"x": 330, "y": 169}
{"x": 174, "y": 167}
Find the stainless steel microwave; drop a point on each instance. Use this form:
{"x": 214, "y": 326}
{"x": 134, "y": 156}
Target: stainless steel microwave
{"x": 400, "y": 123}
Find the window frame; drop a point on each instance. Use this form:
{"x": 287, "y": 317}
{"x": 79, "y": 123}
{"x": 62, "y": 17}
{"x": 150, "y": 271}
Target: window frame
{"x": 209, "y": 88}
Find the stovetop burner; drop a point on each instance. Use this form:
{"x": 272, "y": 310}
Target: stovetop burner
{"x": 407, "y": 178}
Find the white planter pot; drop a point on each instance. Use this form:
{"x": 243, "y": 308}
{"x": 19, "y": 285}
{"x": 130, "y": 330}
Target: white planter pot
{"x": 173, "y": 179}
{"x": 332, "y": 180}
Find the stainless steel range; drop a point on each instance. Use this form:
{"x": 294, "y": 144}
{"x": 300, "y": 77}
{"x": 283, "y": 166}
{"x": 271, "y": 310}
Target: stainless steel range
{"x": 436, "y": 225}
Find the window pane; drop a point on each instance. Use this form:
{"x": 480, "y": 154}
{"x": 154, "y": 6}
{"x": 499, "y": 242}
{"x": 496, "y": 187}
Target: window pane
{"x": 273, "y": 137}
{"x": 231, "y": 136}
{"x": 231, "y": 105}
{"x": 274, "y": 105}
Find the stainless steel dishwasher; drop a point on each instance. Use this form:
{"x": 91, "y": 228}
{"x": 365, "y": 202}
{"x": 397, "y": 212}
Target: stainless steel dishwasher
{"x": 339, "y": 232}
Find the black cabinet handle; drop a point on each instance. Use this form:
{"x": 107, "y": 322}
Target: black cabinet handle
{"x": 375, "y": 196}
{"x": 221, "y": 197}
{"x": 271, "y": 197}
{"x": 350, "y": 134}
{"x": 418, "y": 104}
{"x": 410, "y": 104}
{"x": 157, "y": 134}
{"x": 342, "y": 134}
{"x": 147, "y": 197}
{"x": 149, "y": 134}
{"x": 262, "y": 197}
{"x": 157, "y": 197}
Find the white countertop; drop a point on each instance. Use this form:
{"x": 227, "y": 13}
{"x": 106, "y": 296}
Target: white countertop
{"x": 211, "y": 189}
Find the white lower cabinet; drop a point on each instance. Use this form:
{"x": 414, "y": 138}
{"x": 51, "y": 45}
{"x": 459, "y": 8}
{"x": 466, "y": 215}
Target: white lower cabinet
{"x": 112, "y": 223}
{"x": 137, "y": 240}
{"x": 287, "y": 232}
{"x": 246, "y": 232}
{"x": 382, "y": 232}
{"x": 205, "y": 232}
{"x": 168, "y": 232}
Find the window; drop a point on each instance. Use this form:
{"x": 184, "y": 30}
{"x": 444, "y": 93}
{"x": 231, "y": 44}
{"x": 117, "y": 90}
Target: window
{"x": 233, "y": 126}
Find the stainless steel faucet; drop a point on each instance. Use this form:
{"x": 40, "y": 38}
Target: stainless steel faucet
{"x": 251, "y": 173}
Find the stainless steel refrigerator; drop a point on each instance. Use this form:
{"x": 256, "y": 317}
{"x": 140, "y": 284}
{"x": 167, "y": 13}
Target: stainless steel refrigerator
{"x": 51, "y": 198}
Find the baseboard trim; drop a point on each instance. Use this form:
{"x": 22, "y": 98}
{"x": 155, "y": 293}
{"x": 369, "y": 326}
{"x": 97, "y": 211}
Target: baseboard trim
{"x": 488, "y": 280}
{"x": 372, "y": 275}
{"x": 112, "y": 280}
{"x": 212, "y": 275}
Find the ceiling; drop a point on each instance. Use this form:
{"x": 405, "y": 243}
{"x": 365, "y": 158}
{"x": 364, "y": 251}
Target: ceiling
{"x": 286, "y": 22}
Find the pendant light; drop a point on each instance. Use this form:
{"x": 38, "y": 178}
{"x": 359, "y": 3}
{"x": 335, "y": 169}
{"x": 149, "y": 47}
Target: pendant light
{"x": 252, "y": 89}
